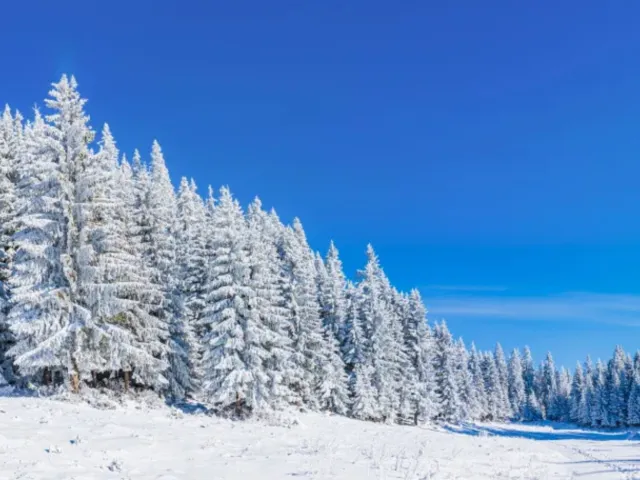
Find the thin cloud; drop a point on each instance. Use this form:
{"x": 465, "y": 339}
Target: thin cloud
{"x": 465, "y": 288}
{"x": 620, "y": 309}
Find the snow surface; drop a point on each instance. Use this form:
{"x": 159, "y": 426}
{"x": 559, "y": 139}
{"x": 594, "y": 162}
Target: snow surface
{"x": 42, "y": 438}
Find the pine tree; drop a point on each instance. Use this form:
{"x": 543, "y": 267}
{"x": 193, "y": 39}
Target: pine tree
{"x": 577, "y": 395}
{"x": 267, "y": 283}
{"x": 234, "y": 356}
{"x": 332, "y": 385}
{"x": 477, "y": 375}
{"x": 112, "y": 282}
{"x": 528, "y": 370}
{"x": 384, "y": 333}
{"x": 447, "y": 388}
{"x": 587, "y": 400}
{"x": 353, "y": 336}
{"x": 365, "y": 404}
{"x": 562, "y": 402}
{"x": 191, "y": 234}
{"x": 502, "y": 388}
{"x": 549, "y": 388}
{"x": 633, "y": 405}
{"x": 51, "y": 324}
{"x": 517, "y": 396}
{"x": 600, "y": 396}
{"x": 616, "y": 412}
{"x": 532, "y": 410}
{"x": 9, "y": 139}
{"x": 162, "y": 214}
{"x": 303, "y": 310}
{"x": 419, "y": 346}
{"x": 492, "y": 387}
{"x": 335, "y": 302}
{"x": 467, "y": 392}
{"x": 11, "y": 133}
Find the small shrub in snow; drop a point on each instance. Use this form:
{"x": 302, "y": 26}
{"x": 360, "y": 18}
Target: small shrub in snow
{"x": 115, "y": 466}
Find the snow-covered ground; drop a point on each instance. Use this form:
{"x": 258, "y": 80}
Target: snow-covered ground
{"x": 48, "y": 439}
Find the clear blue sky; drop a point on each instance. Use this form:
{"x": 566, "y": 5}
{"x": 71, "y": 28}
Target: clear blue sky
{"x": 489, "y": 150}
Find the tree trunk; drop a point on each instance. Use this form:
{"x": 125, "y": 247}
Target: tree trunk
{"x": 238, "y": 403}
{"x": 75, "y": 377}
{"x": 75, "y": 382}
{"x": 126, "y": 381}
{"x": 46, "y": 376}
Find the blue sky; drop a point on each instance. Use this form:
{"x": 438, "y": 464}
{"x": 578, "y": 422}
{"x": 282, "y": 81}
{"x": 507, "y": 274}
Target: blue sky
{"x": 488, "y": 150}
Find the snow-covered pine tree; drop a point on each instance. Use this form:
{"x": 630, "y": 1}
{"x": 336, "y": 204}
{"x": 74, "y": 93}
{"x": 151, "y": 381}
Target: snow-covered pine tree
{"x": 419, "y": 347}
{"x": 332, "y": 386}
{"x": 492, "y": 387}
{"x": 112, "y": 282}
{"x": 8, "y": 199}
{"x": 353, "y": 336}
{"x": 405, "y": 375}
{"x": 39, "y": 307}
{"x": 267, "y": 282}
{"x": 586, "y": 399}
{"x": 563, "y": 381}
{"x": 577, "y": 395}
{"x": 504, "y": 408}
{"x": 303, "y": 311}
{"x": 447, "y": 387}
{"x": 191, "y": 276}
{"x": 517, "y": 396}
{"x": 532, "y": 410}
{"x": 162, "y": 211}
{"x": 466, "y": 390}
{"x": 616, "y": 389}
{"x": 477, "y": 375}
{"x": 600, "y": 396}
{"x": 334, "y": 302}
{"x": 549, "y": 388}
{"x": 234, "y": 352}
{"x": 11, "y": 132}
{"x": 528, "y": 370}
{"x": 51, "y": 328}
{"x": 145, "y": 296}
{"x": 384, "y": 331}
{"x": 633, "y": 404}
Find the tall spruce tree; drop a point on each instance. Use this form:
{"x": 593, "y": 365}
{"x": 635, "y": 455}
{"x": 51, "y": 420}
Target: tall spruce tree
{"x": 517, "y": 395}
{"x": 234, "y": 375}
{"x": 447, "y": 386}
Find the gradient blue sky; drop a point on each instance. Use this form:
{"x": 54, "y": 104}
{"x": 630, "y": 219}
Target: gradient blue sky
{"x": 489, "y": 150}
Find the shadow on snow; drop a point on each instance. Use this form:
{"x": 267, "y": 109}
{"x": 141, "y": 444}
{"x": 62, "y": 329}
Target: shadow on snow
{"x": 553, "y": 432}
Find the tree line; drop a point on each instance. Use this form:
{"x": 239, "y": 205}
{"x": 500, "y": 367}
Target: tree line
{"x": 110, "y": 278}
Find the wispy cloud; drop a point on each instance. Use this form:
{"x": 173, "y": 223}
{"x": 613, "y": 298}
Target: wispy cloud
{"x": 621, "y": 309}
{"x": 464, "y": 288}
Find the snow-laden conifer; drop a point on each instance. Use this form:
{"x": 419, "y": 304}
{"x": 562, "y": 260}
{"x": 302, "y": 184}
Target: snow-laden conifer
{"x": 477, "y": 376}
{"x": 234, "y": 351}
{"x": 517, "y": 395}
{"x": 332, "y": 385}
{"x": 502, "y": 391}
{"x": 577, "y": 394}
{"x": 447, "y": 386}
{"x": 191, "y": 234}
{"x": 267, "y": 283}
{"x": 48, "y": 316}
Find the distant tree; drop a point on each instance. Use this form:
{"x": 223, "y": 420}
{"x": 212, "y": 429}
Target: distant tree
{"x": 517, "y": 396}
{"x": 447, "y": 386}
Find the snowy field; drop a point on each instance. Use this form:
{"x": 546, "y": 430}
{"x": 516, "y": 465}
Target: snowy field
{"x": 47, "y": 439}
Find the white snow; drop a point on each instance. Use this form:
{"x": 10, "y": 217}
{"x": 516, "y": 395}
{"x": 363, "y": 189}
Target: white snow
{"x": 78, "y": 441}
